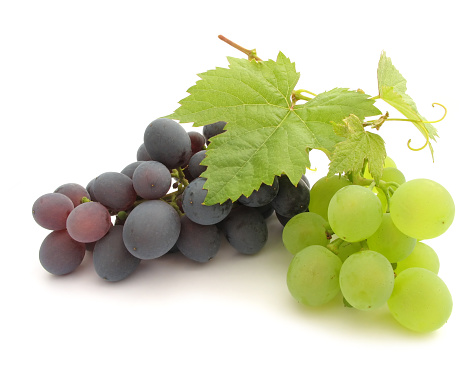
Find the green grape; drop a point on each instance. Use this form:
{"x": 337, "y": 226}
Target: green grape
{"x": 313, "y": 276}
{"x": 346, "y": 249}
{"x": 422, "y": 208}
{"x": 322, "y": 192}
{"x": 366, "y": 280}
{"x": 392, "y": 174}
{"x": 387, "y": 163}
{"x": 354, "y": 213}
{"x": 421, "y": 256}
{"x": 420, "y": 301}
{"x": 303, "y": 230}
{"x": 382, "y": 198}
{"x": 390, "y": 242}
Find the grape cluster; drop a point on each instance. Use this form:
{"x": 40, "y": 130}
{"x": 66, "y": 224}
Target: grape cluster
{"x": 366, "y": 242}
{"x": 156, "y": 206}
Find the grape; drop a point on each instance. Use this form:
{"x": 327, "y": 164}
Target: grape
{"x": 291, "y": 199}
{"x": 421, "y": 256}
{"x": 194, "y": 196}
{"x": 90, "y": 190}
{"x": 130, "y": 169}
{"x": 197, "y": 141}
{"x": 112, "y": 261}
{"x": 266, "y": 210}
{"x": 151, "y": 229}
{"x": 303, "y": 230}
{"x": 392, "y": 174}
{"x": 420, "y": 301}
{"x": 197, "y": 242}
{"x": 263, "y": 196}
{"x": 51, "y": 210}
{"x": 322, "y": 192}
{"x": 73, "y": 191}
{"x": 142, "y": 153}
{"x": 59, "y": 254}
{"x": 313, "y": 276}
{"x": 246, "y": 230}
{"x": 114, "y": 190}
{"x": 306, "y": 181}
{"x": 390, "y": 242}
{"x": 345, "y": 249}
{"x": 213, "y": 129}
{"x": 366, "y": 280}
{"x": 388, "y": 162}
{"x": 168, "y": 142}
{"x": 422, "y": 208}
{"x": 151, "y": 180}
{"x": 88, "y": 222}
{"x": 283, "y": 220}
{"x": 195, "y": 168}
{"x": 354, "y": 213}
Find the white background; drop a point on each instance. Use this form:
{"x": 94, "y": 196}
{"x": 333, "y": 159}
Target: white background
{"x": 80, "y": 81}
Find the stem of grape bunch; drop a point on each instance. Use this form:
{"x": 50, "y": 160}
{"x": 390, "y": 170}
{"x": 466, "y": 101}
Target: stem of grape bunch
{"x": 251, "y": 53}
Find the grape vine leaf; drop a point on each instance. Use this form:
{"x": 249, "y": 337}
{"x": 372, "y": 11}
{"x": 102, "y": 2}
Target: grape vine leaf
{"x": 392, "y": 89}
{"x": 359, "y": 146}
{"x": 266, "y": 133}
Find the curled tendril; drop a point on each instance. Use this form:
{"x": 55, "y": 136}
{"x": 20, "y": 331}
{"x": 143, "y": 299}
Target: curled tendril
{"x": 421, "y": 126}
{"x": 310, "y": 169}
{"x": 439, "y": 120}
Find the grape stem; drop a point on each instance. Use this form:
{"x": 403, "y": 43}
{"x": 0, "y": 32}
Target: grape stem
{"x": 251, "y": 53}
{"x": 334, "y": 245}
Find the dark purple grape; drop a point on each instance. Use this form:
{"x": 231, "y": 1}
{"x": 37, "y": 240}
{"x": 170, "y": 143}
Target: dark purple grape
{"x": 114, "y": 190}
{"x": 59, "y": 254}
{"x": 168, "y": 142}
{"x": 130, "y": 169}
{"x": 263, "y": 196}
{"x": 142, "y": 153}
{"x": 89, "y": 222}
{"x": 213, "y": 129}
{"x": 197, "y": 141}
{"x": 195, "y": 168}
{"x": 151, "y": 180}
{"x": 112, "y": 261}
{"x": 51, "y": 210}
{"x": 151, "y": 229}
{"x": 245, "y": 229}
{"x": 193, "y": 199}
{"x": 73, "y": 191}
{"x": 90, "y": 190}
{"x": 197, "y": 242}
{"x": 291, "y": 199}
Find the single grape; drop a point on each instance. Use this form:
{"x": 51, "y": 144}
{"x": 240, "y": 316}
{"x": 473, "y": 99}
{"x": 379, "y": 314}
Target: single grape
{"x": 114, "y": 190}
{"x": 263, "y": 196}
{"x": 151, "y": 229}
{"x": 266, "y": 211}
{"x": 322, "y": 192}
{"x": 195, "y": 168}
{"x": 420, "y": 301}
{"x": 390, "y": 242}
{"x": 354, "y": 213}
{"x": 421, "y": 256}
{"x": 313, "y": 276}
{"x": 422, "y": 208}
{"x": 213, "y": 129}
{"x": 388, "y": 162}
{"x": 73, "y": 191}
{"x": 59, "y": 254}
{"x": 130, "y": 169}
{"x": 51, "y": 210}
{"x": 142, "y": 153}
{"x": 193, "y": 199}
{"x": 198, "y": 141}
{"x": 197, "y": 242}
{"x": 168, "y": 142}
{"x": 112, "y": 260}
{"x": 392, "y": 174}
{"x": 245, "y": 229}
{"x": 151, "y": 180}
{"x": 88, "y": 222}
{"x": 366, "y": 280}
{"x": 290, "y": 199}
{"x": 303, "y": 230}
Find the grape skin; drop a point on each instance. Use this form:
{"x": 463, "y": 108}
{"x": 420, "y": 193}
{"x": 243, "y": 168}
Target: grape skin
{"x": 88, "y": 222}
{"x": 303, "y": 230}
{"x": 114, "y": 190}
{"x": 290, "y": 199}
{"x": 263, "y": 196}
{"x": 195, "y": 168}
{"x": 313, "y": 276}
{"x": 422, "y": 256}
{"x": 51, "y": 210}
{"x": 422, "y": 208}
{"x": 366, "y": 280}
{"x": 59, "y": 254}
{"x": 73, "y": 191}
{"x": 198, "y": 242}
{"x": 322, "y": 192}
{"x": 151, "y": 180}
{"x": 420, "y": 301}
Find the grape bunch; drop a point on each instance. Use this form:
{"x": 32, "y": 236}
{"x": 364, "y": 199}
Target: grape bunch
{"x": 366, "y": 242}
{"x": 154, "y": 206}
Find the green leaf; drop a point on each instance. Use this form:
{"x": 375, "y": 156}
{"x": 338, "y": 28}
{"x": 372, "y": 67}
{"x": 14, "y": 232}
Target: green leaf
{"x": 360, "y": 146}
{"x": 392, "y": 89}
{"x": 266, "y": 135}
